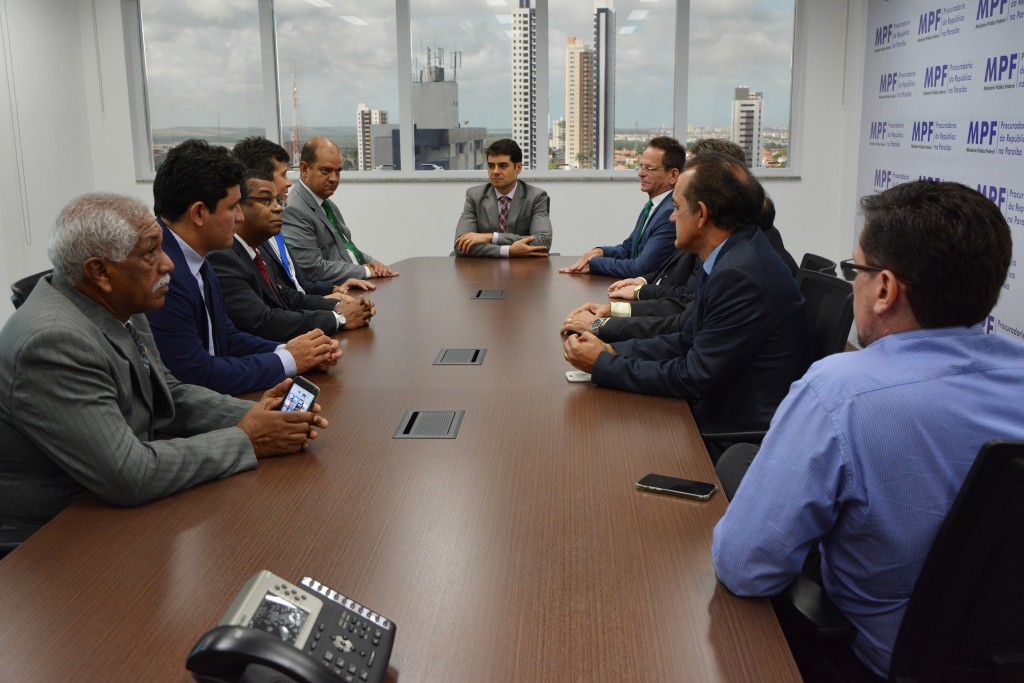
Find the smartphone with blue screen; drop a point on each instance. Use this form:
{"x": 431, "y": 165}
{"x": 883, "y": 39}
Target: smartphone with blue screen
{"x": 301, "y": 395}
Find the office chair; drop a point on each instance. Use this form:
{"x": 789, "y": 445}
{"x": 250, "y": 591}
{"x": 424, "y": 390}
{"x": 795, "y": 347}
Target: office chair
{"x": 12, "y": 537}
{"x": 963, "y": 621}
{"x": 828, "y": 302}
{"x": 819, "y": 263}
{"x": 23, "y": 287}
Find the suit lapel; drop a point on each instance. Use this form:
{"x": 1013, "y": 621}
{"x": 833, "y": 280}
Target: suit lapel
{"x": 188, "y": 281}
{"x": 518, "y": 201}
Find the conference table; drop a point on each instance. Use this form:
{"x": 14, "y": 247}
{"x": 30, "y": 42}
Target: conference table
{"x": 519, "y": 550}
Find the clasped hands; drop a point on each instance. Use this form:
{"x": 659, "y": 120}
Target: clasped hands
{"x": 581, "y": 346}
{"x": 520, "y": 247}
{"x": 274, "y": 432}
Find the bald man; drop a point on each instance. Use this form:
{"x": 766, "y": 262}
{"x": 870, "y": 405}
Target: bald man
{"x": 318, "y": 240}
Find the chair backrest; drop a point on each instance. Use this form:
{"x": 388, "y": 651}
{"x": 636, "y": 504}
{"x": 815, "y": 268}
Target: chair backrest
{"x": 829, "y": 304}
{"x": 819, "y": 263}
{"x": 23, "y": 287}
{"x": 966, "y": 614}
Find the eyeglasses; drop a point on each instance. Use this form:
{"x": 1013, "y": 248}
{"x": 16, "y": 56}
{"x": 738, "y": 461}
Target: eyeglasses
{"x": 647, "y": 168}
{"x": 267, "y": 201}
{"x": 850, "y": 269}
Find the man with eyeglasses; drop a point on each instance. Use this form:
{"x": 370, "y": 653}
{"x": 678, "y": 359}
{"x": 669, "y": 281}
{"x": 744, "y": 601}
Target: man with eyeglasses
{"x": 652, "y": 241}
{"x": 256, "y": 300}
{"x": 320, "y": 243}
{"x": 867, "y": 452}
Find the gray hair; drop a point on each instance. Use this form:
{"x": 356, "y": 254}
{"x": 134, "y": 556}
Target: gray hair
{"x": 100, "y": 225}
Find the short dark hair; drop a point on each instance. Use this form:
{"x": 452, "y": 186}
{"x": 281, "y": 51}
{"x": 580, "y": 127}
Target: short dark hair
{"x": 194, "y": 171}
{"x": 718, "y": 146}
{"x": 731, "y": 193}
{"x": 675, "y": 154}
{"x": 947, "y": 242}
{"x": 260, "y": 153}
{"x": 254, "y": 174}
{"x": 505, "y": 147}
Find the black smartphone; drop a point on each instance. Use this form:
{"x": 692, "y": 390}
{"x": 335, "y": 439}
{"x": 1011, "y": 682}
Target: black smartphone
{"x": 675, "y": 486}
{"x": 300, "y": 396}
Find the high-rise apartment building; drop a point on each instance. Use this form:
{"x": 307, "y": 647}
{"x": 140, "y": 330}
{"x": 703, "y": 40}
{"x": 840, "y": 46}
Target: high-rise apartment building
{"x": 366, "y": 117}
{"x": 580, "y": 119}
{"x": 747, "y": 117}
{"x": 556, "y": 143}
{"x": 524, "y": 80}
{"x": 604, "y": 85}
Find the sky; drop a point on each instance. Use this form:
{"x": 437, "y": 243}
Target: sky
{"x": 204, "y": 66}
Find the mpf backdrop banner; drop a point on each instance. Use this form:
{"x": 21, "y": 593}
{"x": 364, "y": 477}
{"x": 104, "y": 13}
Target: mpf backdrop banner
{"x": 944, "y": 99}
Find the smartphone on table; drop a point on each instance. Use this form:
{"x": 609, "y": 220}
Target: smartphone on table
{"x": 301, "y": 395}
{"x": 674, "y": 486}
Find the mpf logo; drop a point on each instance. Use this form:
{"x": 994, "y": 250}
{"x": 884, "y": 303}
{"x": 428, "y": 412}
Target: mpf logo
{"x": 883, "y": 179}
{"x": 995, "y": 193}
{"x": 882, "y": 35}
{"x": 1003, "y": 66}
{"x": 931, "y": 178}
{"x": 887, "y": 83}
{"x": 986, "y": 9}
{"x": 982, "y": 132}
{"x": 877, "y": 130}
{"x": 929, "y": 22}
{"x": 923, "y": 131}
{"x": 935, "y": 76}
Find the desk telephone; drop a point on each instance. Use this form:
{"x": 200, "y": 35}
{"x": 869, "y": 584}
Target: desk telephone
{"x": 278, "y": 632}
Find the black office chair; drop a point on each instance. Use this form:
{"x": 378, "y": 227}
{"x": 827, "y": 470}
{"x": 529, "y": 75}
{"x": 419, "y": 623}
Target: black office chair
{"x": 23, "y": 287}
{"x": 819, "y": 263}
{"x": 12, "y": 537}
{"x": 828, "y": 302}
{"x": 964, "y": 619}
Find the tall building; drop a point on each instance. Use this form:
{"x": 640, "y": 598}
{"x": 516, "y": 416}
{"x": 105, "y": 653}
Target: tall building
{"x": 747, "y": 117}
{"x": 366, "y": 117}
{"x": 580, "y": 117}
{"x": 524, "y": 80}
{"x": 556, "y": 142}
{"x": 604, "y": 85}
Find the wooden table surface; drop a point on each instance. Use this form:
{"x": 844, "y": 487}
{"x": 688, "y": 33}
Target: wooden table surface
{"x": 518, "y": 551}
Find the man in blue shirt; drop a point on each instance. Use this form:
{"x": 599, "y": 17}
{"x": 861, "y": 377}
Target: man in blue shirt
{"x": 867, "y": 452}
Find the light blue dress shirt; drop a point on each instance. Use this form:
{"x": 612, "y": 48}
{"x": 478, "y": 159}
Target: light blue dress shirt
{"x": 865, "y": 455}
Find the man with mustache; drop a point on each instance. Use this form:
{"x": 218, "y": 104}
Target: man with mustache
{"x": 85, "y": 395}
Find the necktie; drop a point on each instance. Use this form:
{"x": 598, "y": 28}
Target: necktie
{"x": 266, "y": 276}
{"x": 341, "y": 234}
{"x": 503, "y": 201}
{"x": 283, "y": 251}
{"x": 141, "y": 346}
{"x": 207, "y": 274}
{"x": 640, "y": 231}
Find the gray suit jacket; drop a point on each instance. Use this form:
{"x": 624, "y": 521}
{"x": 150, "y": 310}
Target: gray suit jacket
{"x": 528, "y": 214}
{"x": 78, "y": 412}
{"x": 317, "y": 251}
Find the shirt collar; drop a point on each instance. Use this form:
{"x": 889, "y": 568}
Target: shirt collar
{"x": 511, "y": 193}
{"x": 712, "y": 257}
{"x": 192, "y": 257}
{"x": 248, "y": 250}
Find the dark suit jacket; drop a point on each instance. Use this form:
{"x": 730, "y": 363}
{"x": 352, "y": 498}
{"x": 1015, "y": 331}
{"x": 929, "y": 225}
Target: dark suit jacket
{"x": 315, "y": 248}
{"x": 275, "y": 266}
{"x": 744, "y": 344}
{"x": 528, "y": 214}
{"x": 243, "y": 362}
{"x": 670, "y": 308}
{"x": 656, "y": 245}
{"x": 78, "y": 412}
{"x": 253, "y": 306}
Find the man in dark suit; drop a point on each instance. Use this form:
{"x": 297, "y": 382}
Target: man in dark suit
{"x": 747, "y": 338}
{"x": 257, "y": 302}
{"x": 505, "y": 218}
{"x": 650, "y": 243}
{"x": 84, "y": 393}
{"x": 196, "y": 195}
{"x": 320, "y": 243}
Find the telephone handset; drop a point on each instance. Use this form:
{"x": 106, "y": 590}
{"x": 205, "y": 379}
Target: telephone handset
{"x": 308, "y": 634}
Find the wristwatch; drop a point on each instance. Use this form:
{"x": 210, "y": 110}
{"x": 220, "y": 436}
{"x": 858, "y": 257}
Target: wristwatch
{"x": 341, "y": 319}
{"x": 596, "y": 326}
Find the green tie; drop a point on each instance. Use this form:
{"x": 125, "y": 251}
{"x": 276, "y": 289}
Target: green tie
{"x": 341, "y": 233}
{"x": 639, "y": 233}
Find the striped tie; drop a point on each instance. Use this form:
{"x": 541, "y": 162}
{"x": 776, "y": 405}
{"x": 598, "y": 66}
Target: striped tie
{"x": 503, "y": 212}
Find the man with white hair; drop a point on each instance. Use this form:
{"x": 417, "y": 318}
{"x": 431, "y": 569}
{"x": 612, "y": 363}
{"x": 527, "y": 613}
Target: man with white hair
{"x": 84, "y": 394}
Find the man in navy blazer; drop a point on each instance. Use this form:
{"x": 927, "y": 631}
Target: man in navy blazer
{"x": 652, "y": 241}
{"x": 747, "y": 338}
{"x": 196, "y": 199}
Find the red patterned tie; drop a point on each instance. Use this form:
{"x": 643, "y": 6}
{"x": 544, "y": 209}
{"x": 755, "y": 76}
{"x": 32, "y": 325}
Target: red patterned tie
{"x": 503, "y": 212}
{"x": 266, "y": 276}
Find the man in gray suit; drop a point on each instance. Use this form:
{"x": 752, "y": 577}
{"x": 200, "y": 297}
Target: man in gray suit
{"x": 505, "y": 218}
{"x": 84, "y": 394}
{"x": 318, "y": 240}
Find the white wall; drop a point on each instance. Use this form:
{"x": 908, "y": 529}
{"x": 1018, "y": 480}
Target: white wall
{"x": 64, "y": 98}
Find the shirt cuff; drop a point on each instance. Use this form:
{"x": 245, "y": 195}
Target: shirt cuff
{"x": 503, "y": 251}
{"x": 338, "y": 319}
{"x": 369, "y": 272}
{"x": 622, "y": 309}
{"x": 494, "y": 237}
{"x": 287, "y": 360}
